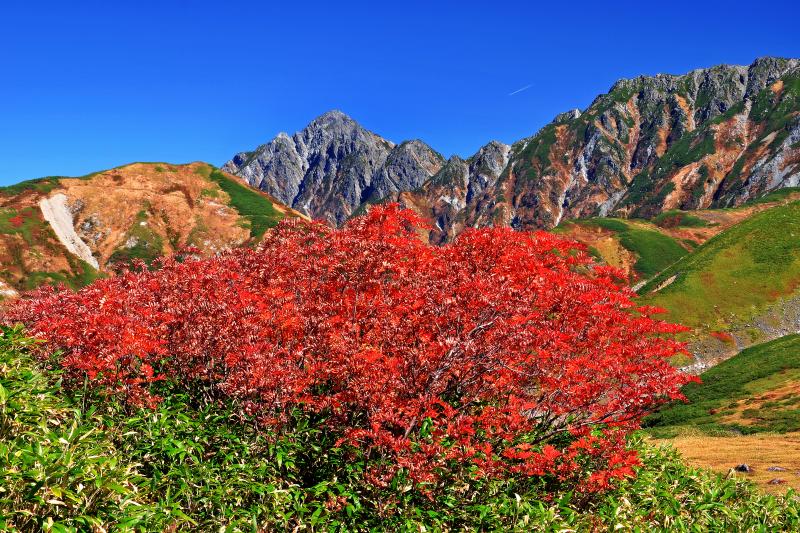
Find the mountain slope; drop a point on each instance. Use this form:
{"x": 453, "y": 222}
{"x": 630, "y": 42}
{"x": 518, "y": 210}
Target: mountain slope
{"x": 714, "y": 137}
{"x": 643, "y": 248}
{"x": 334, "y": 166}
{"x": 444, "y": 199}
{"x": 747, "y": 410}
{"x": 70, "y": 229}
{"x": 738, "y": 288}
{"x": 711, "y": 138}
{"x": 754, "y": 391}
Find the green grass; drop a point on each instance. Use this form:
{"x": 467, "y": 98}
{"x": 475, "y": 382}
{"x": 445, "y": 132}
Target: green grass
{"x": 753, "y": 371}
{"x": 611, "y": 224}
{"x": 677, "y": 218}
{"x": 28, "y": 223}
{"x": 779, "y": 195}
{"x": 42, "y": 185}
{"x": 654, "y": 250}
{"x": 72, "y": 460}
{"x": 735, "y": 274}
{"x": 80, "y": 274}
{"x": 254, "y": 207}
{"x": 148, "y": 244}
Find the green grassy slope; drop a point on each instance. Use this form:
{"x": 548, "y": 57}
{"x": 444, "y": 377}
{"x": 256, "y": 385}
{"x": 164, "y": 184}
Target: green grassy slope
{"x": 735, "y": 275}
{"x": 250, "y": 204}
{"x": 677, "y": 218}
{"x": 754, "y": 391}
{"x": 655, "y": 251}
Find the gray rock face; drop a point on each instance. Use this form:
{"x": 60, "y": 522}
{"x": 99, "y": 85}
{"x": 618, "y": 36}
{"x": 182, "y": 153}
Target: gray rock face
{"x": 712, "y": 137}
{"x": 333, "y": 166}
{"x": 765, "y": 71}
{"x": 456, "y": 191}
{"x": 408, "y": 165}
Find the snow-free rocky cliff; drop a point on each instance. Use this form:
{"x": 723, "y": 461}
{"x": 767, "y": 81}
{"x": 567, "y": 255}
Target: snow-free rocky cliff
{"x": 714, "y": 137}
{"x": 334, "y": 166}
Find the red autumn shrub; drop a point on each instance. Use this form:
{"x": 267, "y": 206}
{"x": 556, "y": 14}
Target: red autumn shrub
{"x": 506, "y": 350}
{"x": 724, "y": 336}
{"x": 17, "y": 220}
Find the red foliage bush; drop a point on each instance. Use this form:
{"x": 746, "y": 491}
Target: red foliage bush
{"x": 17, "y": 220}
{"x": 724, "y": 336}
{"x": 506, "y": 350}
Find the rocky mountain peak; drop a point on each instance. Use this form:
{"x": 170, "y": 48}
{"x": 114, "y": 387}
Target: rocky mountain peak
{"x": 334, "y": 166}
{"x": 711, "y": 137}
{"x": 334, "y": 115}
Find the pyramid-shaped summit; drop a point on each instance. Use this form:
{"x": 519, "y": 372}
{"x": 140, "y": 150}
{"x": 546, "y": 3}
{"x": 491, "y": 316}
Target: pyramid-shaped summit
{"x": 333, "y": 166}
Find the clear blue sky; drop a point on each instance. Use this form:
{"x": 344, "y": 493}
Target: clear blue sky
{"x": 90, "y": 85}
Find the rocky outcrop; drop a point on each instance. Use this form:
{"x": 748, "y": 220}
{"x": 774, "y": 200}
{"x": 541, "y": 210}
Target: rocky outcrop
{"x": 334, "y": 166}
{"x": 710, "y": 138}
{"x": 457, "y": 191}
{"x": 57, "y": 213}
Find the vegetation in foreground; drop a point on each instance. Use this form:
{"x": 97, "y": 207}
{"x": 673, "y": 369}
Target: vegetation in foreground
{"x": 71, "y": 459}
{"x": 352, "y": 379}
{"x": 421, "y": 356}
{"x": 755, "y": 391}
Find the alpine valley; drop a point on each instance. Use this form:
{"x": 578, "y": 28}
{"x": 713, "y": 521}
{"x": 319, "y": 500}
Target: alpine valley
{"x": 688, "y": 184}
{"x": 644, "y": 176}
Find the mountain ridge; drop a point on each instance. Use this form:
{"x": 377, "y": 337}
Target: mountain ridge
{"x": 650, "y": 144}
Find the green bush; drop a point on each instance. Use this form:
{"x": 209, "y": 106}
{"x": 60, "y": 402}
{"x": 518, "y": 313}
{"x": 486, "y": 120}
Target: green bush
{"x": 58, "y": 468}
{"x": 71, "y": 460}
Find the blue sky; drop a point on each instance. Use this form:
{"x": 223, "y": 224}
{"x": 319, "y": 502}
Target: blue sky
{"x": 91, "y": 85}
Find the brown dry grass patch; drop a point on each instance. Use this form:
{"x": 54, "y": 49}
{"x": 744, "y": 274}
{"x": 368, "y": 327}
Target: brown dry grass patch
{"x": 760, "y": 452}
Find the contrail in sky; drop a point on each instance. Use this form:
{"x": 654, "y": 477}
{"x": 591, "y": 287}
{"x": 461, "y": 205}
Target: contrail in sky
{"x": 520, "y": 90}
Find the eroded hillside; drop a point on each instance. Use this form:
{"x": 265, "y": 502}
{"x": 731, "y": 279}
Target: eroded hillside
{"x": 715, "y": 137}
{"x": 71, "y": 229}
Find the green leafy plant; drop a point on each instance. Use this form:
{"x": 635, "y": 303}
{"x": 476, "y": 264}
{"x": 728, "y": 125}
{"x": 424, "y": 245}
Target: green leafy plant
{"x": 58, "y": 469}
{"x": 74, "y": 460}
